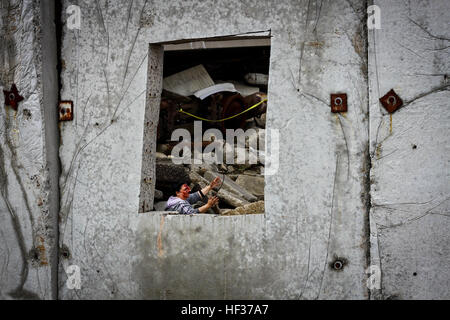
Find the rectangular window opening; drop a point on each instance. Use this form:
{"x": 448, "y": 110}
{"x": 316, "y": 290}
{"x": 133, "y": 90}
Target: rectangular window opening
{"x": 201, "y": 83}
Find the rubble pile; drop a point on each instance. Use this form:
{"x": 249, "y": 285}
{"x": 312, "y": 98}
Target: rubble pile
{"x": 241, "y": 186}
{"x": 193, "y": 90}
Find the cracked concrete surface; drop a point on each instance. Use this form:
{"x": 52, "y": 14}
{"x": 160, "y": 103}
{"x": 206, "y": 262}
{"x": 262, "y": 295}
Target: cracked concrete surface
{"x": 410, "y": 150}
{"x": 284, "y": 253}
{"x": 26, "y": 228}
{"x": 395, "y": 167}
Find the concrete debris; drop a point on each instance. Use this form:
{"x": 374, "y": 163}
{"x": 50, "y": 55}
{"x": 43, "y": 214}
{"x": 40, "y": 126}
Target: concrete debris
{"x": 231, "y": 186}
{"x": 197, "y": 93}
{"x": 253, "y": 184}
{"x": 160, "y": 206}
{"x": 257, "y": 78}
{"x": 198, "y": 179}
{"x": 257, "y": 154}
{"x": 216, "y": 106}
{"x": 202, "y": 168}
{"x": 229, "y": 198}
{"x": 169, "y": 172}
{"x": 256, "y": 171}
{"x": 159, "y": 195}
{"x": 252, "y": 208}
{"x": 257, "y": 139}
{"x": 243, "y": 183}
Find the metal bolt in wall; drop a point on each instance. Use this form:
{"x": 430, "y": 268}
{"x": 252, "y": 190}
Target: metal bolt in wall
{"x": 391, "y": 101}
{"x": 338, "y": 102}
{"x": 12, "y": 97}
{"x": 65, "y": 111}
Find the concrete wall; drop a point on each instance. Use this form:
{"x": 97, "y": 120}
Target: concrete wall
{"x": 410, "y": 151}
{"x": 28, "y": 166}
{"x": 313, "y": 216}
{"x": 362, "y": 186}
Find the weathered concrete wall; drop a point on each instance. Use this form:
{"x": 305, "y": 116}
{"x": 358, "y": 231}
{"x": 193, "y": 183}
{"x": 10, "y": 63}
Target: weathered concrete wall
{"x": 27, "y": 164}
{"x": 410, "y": 151}
{"x": 315, "y": 204}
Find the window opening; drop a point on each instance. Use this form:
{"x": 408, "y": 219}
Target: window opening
{"x": 202, "y": 84}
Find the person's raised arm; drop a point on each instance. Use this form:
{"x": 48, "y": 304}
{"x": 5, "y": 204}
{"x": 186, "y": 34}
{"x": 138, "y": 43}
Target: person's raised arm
{"x": 211, "y": 186}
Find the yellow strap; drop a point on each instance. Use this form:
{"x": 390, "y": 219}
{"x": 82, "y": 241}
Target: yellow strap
{"x": 236, "y": 115}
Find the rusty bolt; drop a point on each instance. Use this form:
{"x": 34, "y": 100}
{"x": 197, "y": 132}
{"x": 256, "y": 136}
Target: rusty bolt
{"x": 12, "y": 97}
{"x": 338, "y": 102}
{"x": 391, "y": 101}
{"x": 65, "y": 111}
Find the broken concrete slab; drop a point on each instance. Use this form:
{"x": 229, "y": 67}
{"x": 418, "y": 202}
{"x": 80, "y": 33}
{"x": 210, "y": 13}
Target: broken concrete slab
{"x": 255, "y": 171}
{"x": 197, "y": 178}
{"x": 159, "y": 195}
{"x": 231, "y": 186}
{"x": 252, "y": 183}
{"x": 202, "y": 168}
{"x": 160, "y": 205}
{"x": 252, "y": 208}
{"x": 231, "y": 199}
{"x": 167, "y": 171}
{"x": 225, "y": 196}
{"x": 257, "y": 78}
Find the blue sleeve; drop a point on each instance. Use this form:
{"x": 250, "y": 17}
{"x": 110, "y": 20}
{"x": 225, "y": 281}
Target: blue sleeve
{"x": 187, "y": 209}
{"x": 194, "y": 197}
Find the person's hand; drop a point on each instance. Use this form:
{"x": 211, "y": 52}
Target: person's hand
{"x": 215, "y": 183}
{"x": 213, "y": 201}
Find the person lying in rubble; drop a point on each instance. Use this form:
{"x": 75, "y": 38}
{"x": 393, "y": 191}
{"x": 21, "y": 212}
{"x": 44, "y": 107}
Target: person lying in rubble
{"x": 183, "y": 201}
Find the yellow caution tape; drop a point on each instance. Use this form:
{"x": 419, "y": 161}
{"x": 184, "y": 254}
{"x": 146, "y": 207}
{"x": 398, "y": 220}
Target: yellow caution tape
{"x": 236, "y": 115}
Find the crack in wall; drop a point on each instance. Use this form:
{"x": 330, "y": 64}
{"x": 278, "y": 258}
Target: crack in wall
{"x": 367, "y": 165}
{"x": 22, "y": 29}
{"x": 19, "y": 292}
